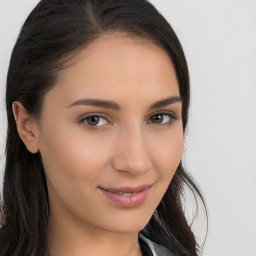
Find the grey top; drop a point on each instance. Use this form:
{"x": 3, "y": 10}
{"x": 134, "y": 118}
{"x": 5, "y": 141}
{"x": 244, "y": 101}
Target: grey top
{"x": 157, "y": 250}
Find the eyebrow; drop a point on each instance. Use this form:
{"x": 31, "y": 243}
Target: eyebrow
{"x": 113, "y": 105}
{"x": 97, "y": 103}
{"x": 166, "y": 102}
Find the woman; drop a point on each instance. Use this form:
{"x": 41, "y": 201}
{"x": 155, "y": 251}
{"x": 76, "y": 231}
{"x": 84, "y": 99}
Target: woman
{"x": 97, "y": 102}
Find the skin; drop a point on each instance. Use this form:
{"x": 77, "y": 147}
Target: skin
{"x": 126, "y": 148}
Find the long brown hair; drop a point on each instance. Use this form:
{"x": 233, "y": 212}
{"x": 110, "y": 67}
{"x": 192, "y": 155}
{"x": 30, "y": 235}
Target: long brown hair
{"x": 53, "y": 30}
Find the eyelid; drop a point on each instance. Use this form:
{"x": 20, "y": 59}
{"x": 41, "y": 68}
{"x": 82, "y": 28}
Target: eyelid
{"x": 171, "y": 116}
{"x": 82, "y": 118}
{"x": 99, "y": 114}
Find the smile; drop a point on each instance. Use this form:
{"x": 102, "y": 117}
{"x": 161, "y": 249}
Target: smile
{"x": 127, "y": 196}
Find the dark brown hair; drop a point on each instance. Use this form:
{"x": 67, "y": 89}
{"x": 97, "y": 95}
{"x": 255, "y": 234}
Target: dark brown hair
{"x": 53, "y": 31}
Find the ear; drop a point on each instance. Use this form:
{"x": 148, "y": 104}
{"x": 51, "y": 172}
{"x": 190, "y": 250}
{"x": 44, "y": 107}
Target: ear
{"x": 25, "y": 126}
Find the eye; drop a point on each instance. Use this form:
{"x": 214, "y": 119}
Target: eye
{"x": 94, "y": 121}
{"x": 162, "y": 118}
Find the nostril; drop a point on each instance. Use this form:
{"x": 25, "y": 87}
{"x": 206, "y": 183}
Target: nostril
{"x": 133, "y": 164}
{"x": 131, "y": 151}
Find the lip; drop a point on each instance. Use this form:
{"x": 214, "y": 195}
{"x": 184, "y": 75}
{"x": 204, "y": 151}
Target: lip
{"x": 138, "y": 195}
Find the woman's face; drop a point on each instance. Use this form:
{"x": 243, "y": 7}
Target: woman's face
{"x": 111, "y": 135}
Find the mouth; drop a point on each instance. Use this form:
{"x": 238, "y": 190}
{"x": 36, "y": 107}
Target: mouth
{"x": 123, "y": 193}
{"x": 127, "y": 196}
{"x": 127, "y": 190}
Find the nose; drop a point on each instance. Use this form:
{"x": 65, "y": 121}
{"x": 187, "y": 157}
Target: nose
{"x": 132, "y": 153}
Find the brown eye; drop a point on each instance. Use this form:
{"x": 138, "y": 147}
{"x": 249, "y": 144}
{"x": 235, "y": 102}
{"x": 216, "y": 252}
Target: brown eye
{"x": 157, "y": 118}
{"x": 162, "y": 119}
{"x": 94, "y": 121}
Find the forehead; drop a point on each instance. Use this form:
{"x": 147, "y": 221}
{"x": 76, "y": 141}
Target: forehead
{"x": 119, "y": 66}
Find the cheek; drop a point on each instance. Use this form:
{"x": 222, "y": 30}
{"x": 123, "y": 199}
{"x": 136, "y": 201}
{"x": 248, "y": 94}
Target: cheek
{"x": 70, "y": 157}
{"x": 73, "y": 164}
{"x": 168, "y": 155}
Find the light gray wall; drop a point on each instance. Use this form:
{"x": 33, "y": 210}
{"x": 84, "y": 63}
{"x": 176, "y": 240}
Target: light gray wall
{"x": 219, "y": 40}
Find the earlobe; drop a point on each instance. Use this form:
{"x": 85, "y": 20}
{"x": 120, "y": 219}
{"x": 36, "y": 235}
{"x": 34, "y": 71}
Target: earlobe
{"x": 24, "y": 123}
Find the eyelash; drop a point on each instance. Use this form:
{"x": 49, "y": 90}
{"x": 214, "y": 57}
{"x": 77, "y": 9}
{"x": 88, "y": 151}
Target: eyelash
{"x": 84, "y": 120}
{"x": 172, "y": 117}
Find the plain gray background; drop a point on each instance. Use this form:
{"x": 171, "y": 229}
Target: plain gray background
{"x": 219, "y": 40}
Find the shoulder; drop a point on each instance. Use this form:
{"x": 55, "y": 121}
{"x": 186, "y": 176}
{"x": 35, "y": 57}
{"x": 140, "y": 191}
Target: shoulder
{"x": 157, "y": 250}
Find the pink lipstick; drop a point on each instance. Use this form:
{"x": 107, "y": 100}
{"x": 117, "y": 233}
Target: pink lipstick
{"x": 127, "y": 196}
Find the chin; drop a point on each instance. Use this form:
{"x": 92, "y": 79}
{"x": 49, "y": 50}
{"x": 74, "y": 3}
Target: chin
{"x": 127, "y": 223}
